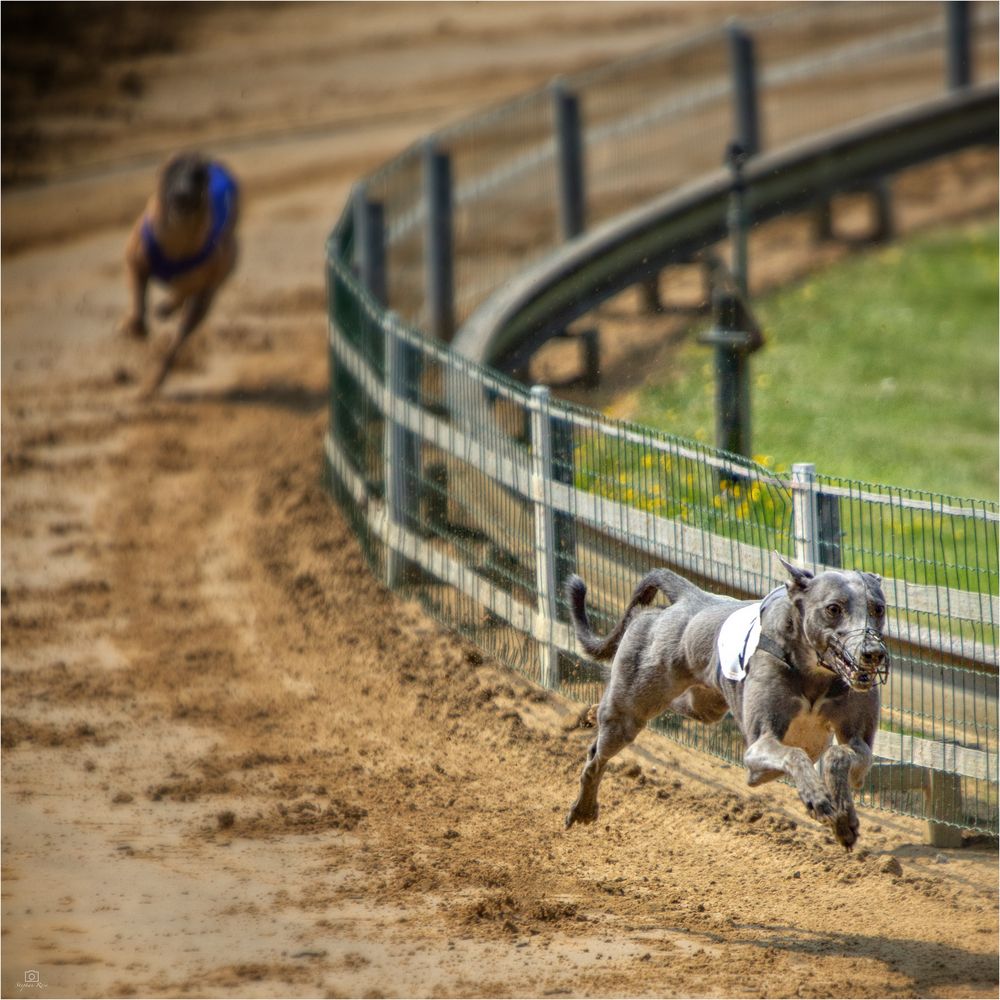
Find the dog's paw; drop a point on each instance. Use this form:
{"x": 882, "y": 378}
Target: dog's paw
{"x": 580, "y": 815}
{"x": 846, "y": 828}
{"x": 819, "y": 805}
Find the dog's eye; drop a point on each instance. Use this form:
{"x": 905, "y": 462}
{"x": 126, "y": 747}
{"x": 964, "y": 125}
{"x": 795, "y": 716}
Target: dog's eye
{"x": 877, "y": 610}
{"x": 833, "y": 610}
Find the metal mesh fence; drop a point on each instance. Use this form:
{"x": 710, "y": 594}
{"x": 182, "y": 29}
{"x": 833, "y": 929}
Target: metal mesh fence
{"x": 479, "y": 496}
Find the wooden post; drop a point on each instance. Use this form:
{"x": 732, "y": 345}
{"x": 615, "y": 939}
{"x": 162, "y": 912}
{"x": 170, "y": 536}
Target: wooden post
{"x": 943, "y": 795}
{"x": 650, "y": 300}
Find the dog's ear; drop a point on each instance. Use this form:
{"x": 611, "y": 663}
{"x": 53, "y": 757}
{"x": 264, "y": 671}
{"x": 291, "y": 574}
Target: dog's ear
{"x": 800, "y": 577}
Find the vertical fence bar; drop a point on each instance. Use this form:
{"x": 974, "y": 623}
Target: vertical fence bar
{"x": 439, "y": 243}
{"x": 369, "y": 243}
{"x": 569, "y": 161}
{"x": 731, "y": 345}
{"x": 815, "y": 520}
{"x": 805, "y": 515}
{"x": 545, "y": 534}
{"x": 743, "y": 68}
{"x": 959, "y": 56}
{"x": 563, "y": 525}
{"x": 737, "y": 221}
{"x": 402, "y": 483}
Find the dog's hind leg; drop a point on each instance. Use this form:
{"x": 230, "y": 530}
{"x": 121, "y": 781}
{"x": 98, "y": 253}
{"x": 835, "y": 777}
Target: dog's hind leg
{"x": 700, "y": 703}
{"x": 613, "y": 735}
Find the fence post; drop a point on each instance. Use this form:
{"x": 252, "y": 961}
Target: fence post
{"x": 736, "y": 217}
{"x": 959, "y": 51}
{"x": 402, "y": 480}
{"x": 569, "y": 161}
{"x": 743, "y": 66}
{"x": 438, "y": 248}
{"x": 369, "y": 243}
{"x": 805, "y": 515}
{"x": 732, "y": 375}
{"x": 815, "y": 519}
{"x": 545, "y": 533}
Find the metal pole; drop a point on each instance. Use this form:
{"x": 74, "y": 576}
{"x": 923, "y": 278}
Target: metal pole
{"x": 743, "y": 66}
{"x": 732, "y": 379}
{"x": 959, "y": 48}
{"x": 736, "y": 216}
{"x": 401, "y": 451}
{"x": 545, "y": 546}
{"x": 369, "y": 243}
{"x": 438, "y": 249}
{"x": 569, "y": 158}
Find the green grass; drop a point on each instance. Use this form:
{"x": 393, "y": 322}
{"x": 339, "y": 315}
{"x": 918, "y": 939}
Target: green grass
{"x": 883, "y": 368}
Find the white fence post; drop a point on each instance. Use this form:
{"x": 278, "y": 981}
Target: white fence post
{"x": 545, "y": 550}
{"x": 398, "y": 450}
{"x": 805, "y": 514}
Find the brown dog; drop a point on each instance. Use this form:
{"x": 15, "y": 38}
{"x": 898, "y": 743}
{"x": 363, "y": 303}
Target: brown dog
{"x": 186, "y": 240}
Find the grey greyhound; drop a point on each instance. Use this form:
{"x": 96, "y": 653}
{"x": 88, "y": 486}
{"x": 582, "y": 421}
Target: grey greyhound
{"x": 815, "y": 674}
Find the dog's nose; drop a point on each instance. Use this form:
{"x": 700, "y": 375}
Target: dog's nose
{"x": 873, "y": 658}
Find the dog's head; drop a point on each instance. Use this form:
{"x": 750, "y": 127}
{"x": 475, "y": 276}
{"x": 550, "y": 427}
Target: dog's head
{"x": 843, "y": 620}
{"x": 184, "y": 187}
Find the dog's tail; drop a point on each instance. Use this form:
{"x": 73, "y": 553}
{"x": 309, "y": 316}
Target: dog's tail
{"x": 659, "y": 580}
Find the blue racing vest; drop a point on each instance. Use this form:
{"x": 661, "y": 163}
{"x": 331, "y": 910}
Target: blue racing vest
{"x": 222, "y": 191}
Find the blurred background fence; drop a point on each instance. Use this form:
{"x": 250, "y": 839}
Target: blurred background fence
{"x": 478, "y": 494}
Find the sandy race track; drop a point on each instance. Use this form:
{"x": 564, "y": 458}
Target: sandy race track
{"x": 234, "y": 764}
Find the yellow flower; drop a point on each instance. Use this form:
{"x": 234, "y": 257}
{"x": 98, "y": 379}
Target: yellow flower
{"x": 755, "y": 493}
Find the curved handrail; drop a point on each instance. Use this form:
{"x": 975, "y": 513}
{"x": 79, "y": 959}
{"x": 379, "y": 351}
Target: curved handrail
{"x": 586, "y": 271}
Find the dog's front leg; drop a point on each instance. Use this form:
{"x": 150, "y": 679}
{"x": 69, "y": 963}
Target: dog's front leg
{"x": 134, "y": 324}
{"x": 767, "y": 758}
{"x": 195, "y": 309}
{"x": 844, "y": 767}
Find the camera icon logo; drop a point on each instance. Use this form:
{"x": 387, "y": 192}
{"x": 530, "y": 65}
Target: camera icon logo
{"x": 31, "y": 976}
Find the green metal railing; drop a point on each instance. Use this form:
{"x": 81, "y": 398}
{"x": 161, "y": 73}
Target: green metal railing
{"x": 478, "y": 495}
